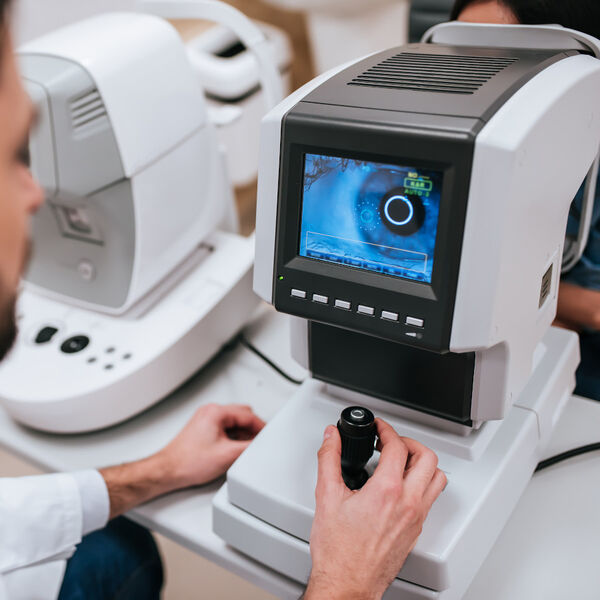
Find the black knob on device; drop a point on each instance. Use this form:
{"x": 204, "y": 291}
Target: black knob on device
{"x": 358, "y": 431}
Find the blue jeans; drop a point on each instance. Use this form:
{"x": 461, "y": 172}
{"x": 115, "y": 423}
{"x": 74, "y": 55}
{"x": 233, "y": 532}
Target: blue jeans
{"x": 588, "y": 373}
{"x": 119, "y": 562}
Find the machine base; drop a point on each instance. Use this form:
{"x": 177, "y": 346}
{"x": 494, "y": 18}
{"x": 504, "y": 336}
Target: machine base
{"x": 267, "y": 506}
{"x": 129, "y": 362}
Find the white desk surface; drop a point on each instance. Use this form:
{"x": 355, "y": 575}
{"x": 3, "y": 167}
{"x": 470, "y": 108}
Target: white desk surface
{"x": 549, "y": 550}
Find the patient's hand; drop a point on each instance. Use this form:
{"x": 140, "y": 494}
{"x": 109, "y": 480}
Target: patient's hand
{"x": 360, "y": 539}
{"x": 578, "y": 307}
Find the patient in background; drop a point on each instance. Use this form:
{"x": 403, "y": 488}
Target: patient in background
{"x": 579, "y": 294}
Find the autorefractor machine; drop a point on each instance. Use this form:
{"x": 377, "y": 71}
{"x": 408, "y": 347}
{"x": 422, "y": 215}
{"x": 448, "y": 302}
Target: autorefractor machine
{"x": 411, "y": 219}
{"x": 138, "y": 274}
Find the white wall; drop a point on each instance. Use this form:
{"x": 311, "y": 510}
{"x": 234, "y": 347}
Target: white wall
{"x": 36, "y": 17}
{"x": 342, "y": 30}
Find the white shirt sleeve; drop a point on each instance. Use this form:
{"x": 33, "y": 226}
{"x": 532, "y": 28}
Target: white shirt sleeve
{"x": 45, "y": 516}
{"x": 95, "y": 502}
{"x": 40, "y": 519}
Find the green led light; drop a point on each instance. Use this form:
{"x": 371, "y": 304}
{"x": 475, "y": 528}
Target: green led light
{"x": 281, "y": 278}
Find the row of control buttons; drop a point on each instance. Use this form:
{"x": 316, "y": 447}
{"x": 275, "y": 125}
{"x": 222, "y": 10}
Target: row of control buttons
{"x": 361, "y": 309}
{"x": 74, "y": 344}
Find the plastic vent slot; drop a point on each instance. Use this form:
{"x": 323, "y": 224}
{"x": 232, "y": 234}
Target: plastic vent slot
{"x": 448, "y": 74}
{"x": 87, "y": 109}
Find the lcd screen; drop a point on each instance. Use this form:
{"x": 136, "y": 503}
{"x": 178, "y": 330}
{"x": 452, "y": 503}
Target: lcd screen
{"x": 372, "y": 216}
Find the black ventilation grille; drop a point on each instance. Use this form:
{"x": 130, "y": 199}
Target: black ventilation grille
{"x": 87, "y": 109}
{"x": 449, "y": 74}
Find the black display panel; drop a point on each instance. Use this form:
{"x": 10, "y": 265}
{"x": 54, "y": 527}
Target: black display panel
{"x": 372, "y": 216}
{"x": 409, "y": 305}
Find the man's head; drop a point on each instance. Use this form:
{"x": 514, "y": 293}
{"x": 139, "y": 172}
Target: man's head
{"x": 20, "y": 196}
{"x": 582, "y": 15}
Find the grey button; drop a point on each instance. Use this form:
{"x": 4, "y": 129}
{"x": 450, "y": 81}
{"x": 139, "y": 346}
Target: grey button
{"x": 414, "y": 321}
{"x": 342, "y": 304}
{"x": 320, "y": 299}
{"x": 298, "y": 293}
{"x": 389, "y": 316}
{"x": 77, "y": 219}
{"x": 357, "y": 413}
{"x": 365, "y": 310}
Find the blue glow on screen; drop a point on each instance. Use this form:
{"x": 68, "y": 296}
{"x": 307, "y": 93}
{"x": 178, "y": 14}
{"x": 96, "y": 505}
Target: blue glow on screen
{"x": 370, "y": 216}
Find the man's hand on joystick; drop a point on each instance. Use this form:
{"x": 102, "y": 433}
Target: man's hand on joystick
{"x": 360, "y": 539}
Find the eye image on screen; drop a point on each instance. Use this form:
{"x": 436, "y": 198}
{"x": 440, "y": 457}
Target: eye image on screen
{"x": 371, "y": 216}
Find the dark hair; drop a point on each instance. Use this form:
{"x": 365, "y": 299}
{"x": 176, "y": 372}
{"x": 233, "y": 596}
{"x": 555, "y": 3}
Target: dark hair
{"x": 582, "y": 15}
{"x": 4, "y": 4}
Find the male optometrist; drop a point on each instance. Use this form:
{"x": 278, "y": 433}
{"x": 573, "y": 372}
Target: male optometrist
{"x": 61, "y": 535}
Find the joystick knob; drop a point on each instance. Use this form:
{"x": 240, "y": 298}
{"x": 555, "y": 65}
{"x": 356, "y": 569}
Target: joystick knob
{"x": 358, "y": 431}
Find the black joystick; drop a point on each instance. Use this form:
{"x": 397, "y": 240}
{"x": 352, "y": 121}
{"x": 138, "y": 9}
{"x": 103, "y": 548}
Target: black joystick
{"x": 357, "y": 430}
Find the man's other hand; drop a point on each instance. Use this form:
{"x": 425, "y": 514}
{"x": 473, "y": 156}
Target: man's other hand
{"x": 210, "y": 443}
{"x": 204, "y": 449}
{"x": 360, "y": 539}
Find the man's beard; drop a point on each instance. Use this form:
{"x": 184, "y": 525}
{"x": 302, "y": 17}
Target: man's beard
{"x": 8, "y": 308}
{"x": 8, "y": 322}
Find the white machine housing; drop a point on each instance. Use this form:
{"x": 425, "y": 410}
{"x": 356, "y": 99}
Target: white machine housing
{"x": 266, "y": 508}
{"x": 126, "y": 364}
{"x": 163, "y": 150}
{"x": 497, "y": 311}
{"x": 549, "y": 125}
{"x": 132, "y": 287}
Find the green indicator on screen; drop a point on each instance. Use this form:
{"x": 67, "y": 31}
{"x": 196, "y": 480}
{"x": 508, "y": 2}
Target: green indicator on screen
{"x": 280, "y": 278}
{"x": 418, "y": 183}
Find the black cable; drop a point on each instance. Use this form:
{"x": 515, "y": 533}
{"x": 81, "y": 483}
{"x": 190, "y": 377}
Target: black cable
{"x": 260, "y": 355}
{"x": 565, "y": 455}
